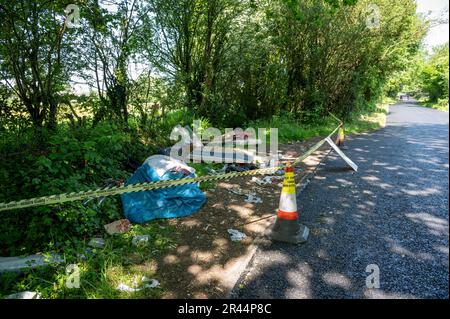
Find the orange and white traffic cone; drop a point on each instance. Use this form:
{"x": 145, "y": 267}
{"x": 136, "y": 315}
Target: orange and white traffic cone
{"x": 286, "y": 228}
{"x": 341, "y": 136}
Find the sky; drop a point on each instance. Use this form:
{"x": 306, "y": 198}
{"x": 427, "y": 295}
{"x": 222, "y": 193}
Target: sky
{"x": 438, "y": 34}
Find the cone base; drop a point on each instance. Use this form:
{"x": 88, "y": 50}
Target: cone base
{"x": 289, "y": 231}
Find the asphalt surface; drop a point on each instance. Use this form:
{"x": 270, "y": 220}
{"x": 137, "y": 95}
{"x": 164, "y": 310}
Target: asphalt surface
{"x": 392, "y": 215}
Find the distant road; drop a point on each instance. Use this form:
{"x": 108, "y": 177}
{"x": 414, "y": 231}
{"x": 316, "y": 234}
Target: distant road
{"x": 392, "y": 214}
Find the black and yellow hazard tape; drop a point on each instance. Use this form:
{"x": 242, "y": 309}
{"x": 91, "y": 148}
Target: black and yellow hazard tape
{"x": 117, "y": 190}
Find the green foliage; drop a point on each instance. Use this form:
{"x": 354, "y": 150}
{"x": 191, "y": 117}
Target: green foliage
{"x": 101, "y": 269}
{"x": 425, "y": 76}
{"x": 68, "y": 161}
{"x": 434, "y": 75}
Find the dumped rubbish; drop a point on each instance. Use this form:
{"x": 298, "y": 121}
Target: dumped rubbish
{"x": 24, "y": 295}
{"x": 193, "y": 148}
{"x": 262, "y": 181}
{"x": 236, "y": 235}
{"x": 212, "y": 171}
{"x": 250, "y": 195}
{"x": 118, "y": 227}
{"x": 26, "y": 262}
{"x": 97, "y": 242}
{"x": 238, "y": 191}
{"x": 148, "y": 284}
{"x": 253, "y": 199}
{"x": 178, "y": 201}
{"x": 140, "y": 240}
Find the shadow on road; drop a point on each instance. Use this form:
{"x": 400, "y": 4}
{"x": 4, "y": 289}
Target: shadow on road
{"x": 393, "y": 213}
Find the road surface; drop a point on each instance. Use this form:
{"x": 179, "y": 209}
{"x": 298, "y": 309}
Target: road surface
{"x": 391, "y": 216}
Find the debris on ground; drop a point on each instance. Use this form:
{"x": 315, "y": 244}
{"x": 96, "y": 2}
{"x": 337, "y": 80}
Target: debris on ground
{"x": 97, "y": 242}
{"x": 253, "y": 199}
{"x": 148, "y": 284}
{"x": 212, "y": 171}
{"x": 25, "y": 262}
{"x": 239, "y": 168}
{"x": 24, "y": 295}
{"x": 118, "y": 227}
{"x": 140, "y": 240}
{"x": 236, "y": 235}
{"x": 263, "y": 181}
{"x": 241, "y": 192}
{"x": 250, "y": 195}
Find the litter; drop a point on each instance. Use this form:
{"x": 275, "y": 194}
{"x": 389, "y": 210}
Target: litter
{"x": 241, "y": 192}
{"x": 97, "y": 242}
{"x": 236, "y": 235}
{"x": 212, "y": 171}
{"x": 153, "y": 283}
{"x": 118, "y": 226}
{"x": 239, "y": 168}
{"x": 26, "y": 262}
{"x": 140, "y": 240}
{"x": 263, "y": 181}
{"x": 251, "y": 198}
{"x": 172, "y": 202}
{"x": 24, "y": 295}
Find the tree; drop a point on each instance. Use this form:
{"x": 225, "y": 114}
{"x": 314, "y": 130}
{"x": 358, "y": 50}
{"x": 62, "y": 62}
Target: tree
{"x": 109, "y": 40}
{"x": 434, "y": 74}
{"x": 35, "y": 55}
{"x": 189, "y": 41}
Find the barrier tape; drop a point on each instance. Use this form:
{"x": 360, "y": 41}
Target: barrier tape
{"x": 117, "y": 190}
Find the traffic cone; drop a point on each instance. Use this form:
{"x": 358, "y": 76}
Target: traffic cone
{"x": 341, "y": 136}
{"x": 286, "y": 228}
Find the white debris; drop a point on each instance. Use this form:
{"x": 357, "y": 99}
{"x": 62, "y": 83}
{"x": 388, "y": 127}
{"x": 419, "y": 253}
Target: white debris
{"x": 241, "y": 192}
{"x": 236, "y": 235}
{"x": 25, "y": 295}
{"x": 140, "y": 240}
{"x": 148, "y": 283}
{"x": 262, "y": 181}
{"x": 97, "y": 242}
{"x": 252, "y": 199}
{"x": 26, "y": 262}
{"x": 212, "y": 171}
{"x": 153, "y": 283}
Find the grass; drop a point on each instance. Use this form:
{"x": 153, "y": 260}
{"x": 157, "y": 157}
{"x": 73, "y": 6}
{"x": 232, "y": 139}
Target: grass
{"x": 292, "y": 130}
{"x": 101, "y": 270}
{"x": 370, "y": 121}
{"x": 441, "y": 104}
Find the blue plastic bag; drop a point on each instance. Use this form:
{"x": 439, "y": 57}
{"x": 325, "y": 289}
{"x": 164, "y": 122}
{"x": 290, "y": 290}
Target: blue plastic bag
{"x": 179, "y": 201}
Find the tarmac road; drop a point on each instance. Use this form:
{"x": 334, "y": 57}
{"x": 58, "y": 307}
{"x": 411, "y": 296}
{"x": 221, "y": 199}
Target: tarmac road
{"x": 391, "y": 215}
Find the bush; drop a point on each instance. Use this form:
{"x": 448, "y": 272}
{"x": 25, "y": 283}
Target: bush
{"x": 69, "y": 160}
